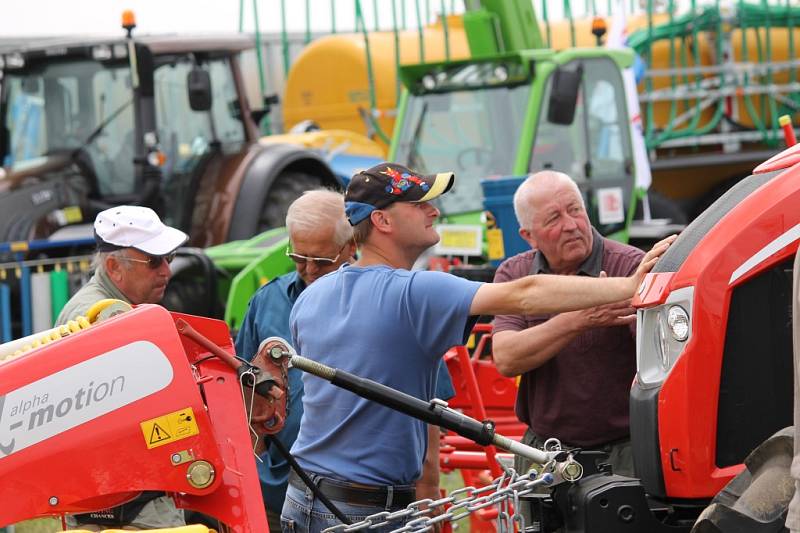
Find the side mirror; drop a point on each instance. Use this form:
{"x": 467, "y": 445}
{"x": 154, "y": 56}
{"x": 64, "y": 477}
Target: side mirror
{"x": 258, "y": 114}
{"x": 198, "y": 83}
{"x": 564, "y": 96}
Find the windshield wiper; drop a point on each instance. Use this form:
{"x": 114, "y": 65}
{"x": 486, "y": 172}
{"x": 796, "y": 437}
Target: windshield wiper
{"x": 99, "y": 129}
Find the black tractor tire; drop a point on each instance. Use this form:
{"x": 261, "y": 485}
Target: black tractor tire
{"x": 193, "y": 286}
{"x": 286, "y": 189}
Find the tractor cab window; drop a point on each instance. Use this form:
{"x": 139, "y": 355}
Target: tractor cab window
{"x": 595, "y": 148}
{"x": 80, "y": 107}
{"x": 187, "y": 136}
{"x": 473, "y": 132}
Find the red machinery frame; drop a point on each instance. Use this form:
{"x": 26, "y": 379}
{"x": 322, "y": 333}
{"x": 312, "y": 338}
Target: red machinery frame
{"x": 86, "y": 462}
{"x": 755, "y": 235}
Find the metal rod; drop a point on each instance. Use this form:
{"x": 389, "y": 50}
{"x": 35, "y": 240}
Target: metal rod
{"x": 186, "y": 330}
{"x": 433, "y": 412}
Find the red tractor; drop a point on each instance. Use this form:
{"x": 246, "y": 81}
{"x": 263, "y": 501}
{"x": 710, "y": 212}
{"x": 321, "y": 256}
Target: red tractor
{"x": 713, "y": 396}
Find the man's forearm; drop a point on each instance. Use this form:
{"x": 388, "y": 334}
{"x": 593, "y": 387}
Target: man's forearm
{"x": 544, "y": 294}
{"x": 428, "y": 483}
{"x": 517, "y": 352}
{"x": 547, "y": 294}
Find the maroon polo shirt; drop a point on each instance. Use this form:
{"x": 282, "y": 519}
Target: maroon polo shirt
{"x": 581, "y": 395}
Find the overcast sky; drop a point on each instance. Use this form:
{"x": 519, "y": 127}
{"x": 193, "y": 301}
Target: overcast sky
{"x": 25, "y": 17}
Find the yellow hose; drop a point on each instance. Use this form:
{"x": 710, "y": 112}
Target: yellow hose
{"x": 97, "y": 312}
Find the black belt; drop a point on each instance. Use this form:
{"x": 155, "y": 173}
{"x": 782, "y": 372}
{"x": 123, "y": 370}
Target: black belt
{"x": 357, "y": 494}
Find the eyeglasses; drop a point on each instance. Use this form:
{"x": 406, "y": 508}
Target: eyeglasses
{"x": 153, "y": 261}
{"x": 318, "y": 261}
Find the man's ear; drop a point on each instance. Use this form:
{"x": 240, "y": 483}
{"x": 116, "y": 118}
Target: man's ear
{"x": 113, "y": 267}
{"x": 527, "y": 236}
{"x": 381, "y": 221}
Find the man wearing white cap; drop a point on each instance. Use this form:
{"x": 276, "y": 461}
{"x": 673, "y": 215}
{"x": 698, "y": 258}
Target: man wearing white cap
{"x": 134, "y": 249}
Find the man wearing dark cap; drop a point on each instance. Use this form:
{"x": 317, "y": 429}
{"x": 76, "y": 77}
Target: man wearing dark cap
{"x": 134, "y": 249}
{"x": 381, "y": 321}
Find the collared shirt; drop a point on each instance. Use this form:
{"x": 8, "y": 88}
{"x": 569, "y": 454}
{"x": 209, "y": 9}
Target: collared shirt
{"x": 591, "y": 266}
{"x": 581, "y": 395}
{"x": 99, "y": 287}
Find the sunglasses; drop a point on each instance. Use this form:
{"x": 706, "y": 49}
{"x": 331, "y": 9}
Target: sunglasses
{"x": 318, "y": 261}
{"x": 152, "y": 261}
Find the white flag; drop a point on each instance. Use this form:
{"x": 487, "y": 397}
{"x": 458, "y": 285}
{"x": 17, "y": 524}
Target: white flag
{"x": 617, "y": 38}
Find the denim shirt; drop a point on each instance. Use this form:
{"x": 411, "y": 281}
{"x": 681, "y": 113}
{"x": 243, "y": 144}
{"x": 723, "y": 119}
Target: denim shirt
{"x": 268, "y": 316}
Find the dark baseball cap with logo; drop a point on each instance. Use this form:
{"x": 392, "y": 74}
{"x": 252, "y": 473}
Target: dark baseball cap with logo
{"x": 382, "y": 185}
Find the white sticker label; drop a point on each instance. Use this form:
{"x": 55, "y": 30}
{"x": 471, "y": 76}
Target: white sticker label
{"x": 459, "y": 239}
{"x": 78, "y": 394}
{"x": 610, "y": 207}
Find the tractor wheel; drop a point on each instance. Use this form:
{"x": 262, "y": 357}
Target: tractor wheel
{"x": 286, "y": 189}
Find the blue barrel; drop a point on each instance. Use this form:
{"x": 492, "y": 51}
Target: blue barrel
{"x": 498, "y": 198}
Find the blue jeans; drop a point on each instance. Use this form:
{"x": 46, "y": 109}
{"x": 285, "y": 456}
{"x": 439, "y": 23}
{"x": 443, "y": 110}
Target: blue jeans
{"x": 303, "y": 512}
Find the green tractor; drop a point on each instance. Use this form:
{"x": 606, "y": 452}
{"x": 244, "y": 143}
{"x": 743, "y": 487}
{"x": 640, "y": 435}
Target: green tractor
{"x": 515, "y": 108}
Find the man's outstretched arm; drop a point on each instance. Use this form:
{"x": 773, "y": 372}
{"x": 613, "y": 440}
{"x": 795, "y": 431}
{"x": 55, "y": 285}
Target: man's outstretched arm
{"x": 546, "y": 294}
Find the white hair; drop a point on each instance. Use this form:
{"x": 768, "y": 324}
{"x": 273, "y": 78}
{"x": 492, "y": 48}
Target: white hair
{"x": 318, "y": 209}
{"x": 99, "y": 260}
{"x": 523, "y": 198}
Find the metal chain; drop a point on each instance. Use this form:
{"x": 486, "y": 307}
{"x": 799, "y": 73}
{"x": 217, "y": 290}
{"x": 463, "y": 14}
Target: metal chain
{"x": 423, "y": 515}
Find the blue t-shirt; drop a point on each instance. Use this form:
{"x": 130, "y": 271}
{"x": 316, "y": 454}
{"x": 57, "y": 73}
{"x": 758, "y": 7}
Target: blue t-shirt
{"x": 388, "y": 325}
{"x": 268, "y": 316}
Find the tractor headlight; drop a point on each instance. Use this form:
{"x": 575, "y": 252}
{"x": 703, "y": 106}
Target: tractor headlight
{"x": 678, "y": 321}
{"x": 662, "y": 332}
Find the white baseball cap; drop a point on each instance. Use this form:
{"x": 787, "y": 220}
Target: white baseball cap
{"x": 131, "y": 226}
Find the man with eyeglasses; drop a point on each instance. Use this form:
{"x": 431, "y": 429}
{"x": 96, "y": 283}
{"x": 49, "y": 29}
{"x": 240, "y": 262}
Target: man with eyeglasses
{"x": 382, "y": 321}
{"x": 134, "y": 250}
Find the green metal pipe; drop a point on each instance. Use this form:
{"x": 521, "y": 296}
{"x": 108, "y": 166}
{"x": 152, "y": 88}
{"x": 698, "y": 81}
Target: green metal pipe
{"x": 266, "y": 125}
{"x": 546, "y": 23}
{"x": 446, "y": 33}
{"x": 396, "y": 52}
{"x": 419, "y": 34}
{"x": 308, "y": 22}
{"x": 284, "y": 39}
{"x": 361, "y": 26}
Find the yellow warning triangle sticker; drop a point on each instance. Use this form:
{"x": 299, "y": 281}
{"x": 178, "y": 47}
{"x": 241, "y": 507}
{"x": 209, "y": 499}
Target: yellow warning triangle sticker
{"x": 158, "y": 434}
{"x": 169, "y": 427}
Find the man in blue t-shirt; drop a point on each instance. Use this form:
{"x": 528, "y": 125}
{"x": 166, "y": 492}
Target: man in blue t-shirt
{"x": 381, "y": 321}
{"x": 321, "y": 240}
